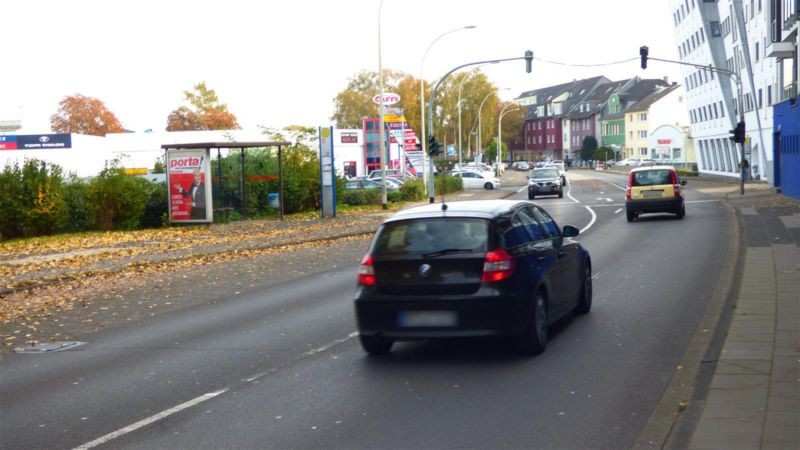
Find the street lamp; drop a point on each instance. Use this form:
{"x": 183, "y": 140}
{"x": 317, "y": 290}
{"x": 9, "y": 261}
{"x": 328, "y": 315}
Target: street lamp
{"x": 459, "y": 110}
{"x": 503, "y": 112}
{"x": 423, "y": 135}
{"x": 382, "y": 138}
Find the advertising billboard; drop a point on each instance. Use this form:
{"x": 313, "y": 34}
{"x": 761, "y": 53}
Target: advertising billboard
{"x": 189, "y": 186}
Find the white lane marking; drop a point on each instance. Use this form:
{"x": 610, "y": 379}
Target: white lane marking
{"x": 618, "y": 211}
{"x": 306, "y": 354}
{"x": 151, "y": 419}
{"x": 327, "y": 346}
{"x": 591, "y": 222}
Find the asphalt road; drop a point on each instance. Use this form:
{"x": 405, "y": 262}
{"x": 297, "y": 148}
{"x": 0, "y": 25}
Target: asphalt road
{"x": 279, "y": 367}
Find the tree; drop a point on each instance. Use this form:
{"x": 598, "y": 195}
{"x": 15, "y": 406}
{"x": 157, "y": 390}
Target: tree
{"x": 603, "y": 154}
{"x": 206, "y": 112}
{"x": 84, "y": 115}
{"x": 355, "y": 102}
{"x": 588, "y": 148}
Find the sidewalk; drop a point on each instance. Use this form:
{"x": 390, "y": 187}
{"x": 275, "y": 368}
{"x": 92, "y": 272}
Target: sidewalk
{"x": 753, "y": 401}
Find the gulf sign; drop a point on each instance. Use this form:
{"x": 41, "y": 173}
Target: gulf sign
{"x": 388, "y": 98}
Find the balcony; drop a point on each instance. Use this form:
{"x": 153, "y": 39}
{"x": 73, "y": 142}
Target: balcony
{"x": 789, "y": 91}
{"x": 780, "y": 50}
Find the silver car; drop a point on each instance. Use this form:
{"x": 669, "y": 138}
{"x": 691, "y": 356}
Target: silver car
{"x": 545, "y": 181}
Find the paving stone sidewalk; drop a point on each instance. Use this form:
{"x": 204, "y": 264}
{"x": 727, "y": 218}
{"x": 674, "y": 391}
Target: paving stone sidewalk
{"x": 754, "y": 397}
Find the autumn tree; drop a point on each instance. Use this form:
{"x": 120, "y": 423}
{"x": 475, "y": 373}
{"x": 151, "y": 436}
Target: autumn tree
{"x": 84, "y": 115}
{"x": 205, "y": 112}
{"x": 355, "y": 102}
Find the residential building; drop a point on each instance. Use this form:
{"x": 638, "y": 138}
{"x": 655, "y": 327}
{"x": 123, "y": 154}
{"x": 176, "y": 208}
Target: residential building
{"x": 730, "y": 35}
{"x": 547, "y": 109}
{"x": 665, "y": 110}
{"x": 783, "y": 44}
{"x": 583, "y": 119}
{"x": 613, "y": 132}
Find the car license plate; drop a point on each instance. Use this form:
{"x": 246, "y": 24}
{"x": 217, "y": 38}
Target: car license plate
{"x": 427, "y": 319}
{"x": 653, "y": 194}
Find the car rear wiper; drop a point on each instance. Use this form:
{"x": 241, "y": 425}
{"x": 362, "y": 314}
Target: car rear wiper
{"x": 447, "y": 251}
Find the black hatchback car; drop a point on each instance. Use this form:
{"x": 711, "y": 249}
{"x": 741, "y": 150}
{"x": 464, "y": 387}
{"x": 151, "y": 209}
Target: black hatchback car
{"x": 474, "y": 268}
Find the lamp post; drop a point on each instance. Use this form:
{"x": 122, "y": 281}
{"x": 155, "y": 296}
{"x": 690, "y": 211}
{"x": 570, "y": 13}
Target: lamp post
{"x": 382, "y": 138}
{"x": 423, "y": 136}
{"x": 466, "y": 78}
{"x": 503, "y": 112}
{"x": 479, "y": 120}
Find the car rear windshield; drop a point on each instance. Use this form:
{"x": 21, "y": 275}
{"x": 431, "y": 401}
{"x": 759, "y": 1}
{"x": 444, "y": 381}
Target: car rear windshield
{"x": 432, "y": 235}
{"x": 652, "y": 177}
{"x": 551, "y": 173}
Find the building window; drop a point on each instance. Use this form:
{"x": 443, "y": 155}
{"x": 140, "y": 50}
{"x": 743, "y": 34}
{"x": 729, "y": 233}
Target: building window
{"x": 643, "y": 151}
{"x": 642, "y": 134}
{"x": 756, "y": 47}
{"x": 642, "y": 117}
{"x": 676, "y": 153}
{"x": 714, "y": 28}
{"x": 769, "y": 95}
{"x": 721, "y": 109}
{"x": 760, "y": 97}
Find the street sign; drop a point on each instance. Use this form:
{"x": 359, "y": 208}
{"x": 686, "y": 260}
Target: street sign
{"x": 389, "y": 98}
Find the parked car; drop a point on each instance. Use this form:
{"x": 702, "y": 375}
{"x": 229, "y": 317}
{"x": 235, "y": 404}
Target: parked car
{"x": 477, "y": 180}
{"x": 393, "y": 173}
{"x": 655, "y": 189}
{"x": 546, "y": 181}
{"x": 473, "y": 167}
{"x": 473, "y": 268}
{"x": 635, "y": 162}
{"x": 363, "y": 183}
{"x": 520, "y": 166}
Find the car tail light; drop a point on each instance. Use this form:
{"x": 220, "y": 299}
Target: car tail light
{"x": 676, "y": 186}
{"x": 497, "y": 266}
{"x": 366, "y": 273}
{"x": 630, "y": 184}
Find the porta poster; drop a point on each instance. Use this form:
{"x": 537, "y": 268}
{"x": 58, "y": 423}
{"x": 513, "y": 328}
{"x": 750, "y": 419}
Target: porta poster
{"x": 189, "y": 186}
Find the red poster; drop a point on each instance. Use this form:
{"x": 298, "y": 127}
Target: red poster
{"x": 189, "y": 186}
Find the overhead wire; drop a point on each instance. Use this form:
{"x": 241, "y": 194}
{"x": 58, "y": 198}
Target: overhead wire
{"x": 585, "y": 65}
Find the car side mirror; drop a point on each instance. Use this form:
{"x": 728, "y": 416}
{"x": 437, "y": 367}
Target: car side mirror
{"x": 683, "y": 182}
{"x": 570, "y": 231}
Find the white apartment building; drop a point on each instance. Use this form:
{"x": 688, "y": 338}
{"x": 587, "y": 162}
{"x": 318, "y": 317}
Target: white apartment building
{"x": 731, "y": 35}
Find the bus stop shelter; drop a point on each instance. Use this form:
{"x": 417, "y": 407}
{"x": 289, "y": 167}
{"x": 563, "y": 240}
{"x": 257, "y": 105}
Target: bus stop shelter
{"x": 242, "y": 146}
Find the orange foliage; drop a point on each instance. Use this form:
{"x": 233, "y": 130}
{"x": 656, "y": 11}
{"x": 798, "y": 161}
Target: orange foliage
{"x": 207, "y": 113}
{"x": 84, "y": 115}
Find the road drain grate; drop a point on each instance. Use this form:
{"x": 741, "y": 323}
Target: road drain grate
{"x": 48, "y": 347}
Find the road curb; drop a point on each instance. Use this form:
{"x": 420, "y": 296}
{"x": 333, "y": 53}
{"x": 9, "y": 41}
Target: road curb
{"x": 673, "y": 420}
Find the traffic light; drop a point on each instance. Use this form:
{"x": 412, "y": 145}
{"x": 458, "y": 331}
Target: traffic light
{"x": 737, "y": 134}
{"x": 643, "y": 53}
{"x": 528, "y": 60}
{"x": 434, "y": 148}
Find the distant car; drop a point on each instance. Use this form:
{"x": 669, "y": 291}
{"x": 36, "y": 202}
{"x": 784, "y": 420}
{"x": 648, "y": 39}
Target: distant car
{"x": 470, "y": 269}
{"x": 362, "y": 183}
{"x": 474, "y": 167}
{"x": 520, "y": 166}
{"x": 559, "y": 165}
{"x": 635, "y": 162}
{"x": 477, "y": 180}
{"x": 393, "y": 173}
{"x": 546, "y": 181}
{"x": 655, "y": 189}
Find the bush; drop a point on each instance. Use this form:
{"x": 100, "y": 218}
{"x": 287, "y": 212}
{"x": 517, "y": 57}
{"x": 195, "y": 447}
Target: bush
{"x": 412, "y": 190}
{"x": 361, "y": 197}
{"x": 32, "y": 203}
{"x": 117, "y": 201}
{"x": 686, "y": 173}
{"x": 78, "y": 217}
{"x": 445, "y": 184}
{"x": 156, "y": 212}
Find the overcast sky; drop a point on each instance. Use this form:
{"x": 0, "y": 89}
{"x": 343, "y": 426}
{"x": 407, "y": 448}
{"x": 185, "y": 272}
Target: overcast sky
{"x": 278, "y": 63}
